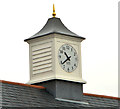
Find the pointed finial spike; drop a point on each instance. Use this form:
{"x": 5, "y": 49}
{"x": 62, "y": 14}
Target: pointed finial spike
{"x": 53, "y": 8}
{"x": 54, "y": 14}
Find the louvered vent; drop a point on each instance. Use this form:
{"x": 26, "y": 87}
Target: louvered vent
{"x": 42, "y": 58}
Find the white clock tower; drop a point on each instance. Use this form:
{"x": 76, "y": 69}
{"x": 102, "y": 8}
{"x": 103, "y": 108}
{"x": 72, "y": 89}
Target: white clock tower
{"x": 55, "y": 59}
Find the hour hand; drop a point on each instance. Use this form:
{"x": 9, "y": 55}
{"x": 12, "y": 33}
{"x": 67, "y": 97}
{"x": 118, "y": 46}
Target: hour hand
{"x": 68, "y": 58}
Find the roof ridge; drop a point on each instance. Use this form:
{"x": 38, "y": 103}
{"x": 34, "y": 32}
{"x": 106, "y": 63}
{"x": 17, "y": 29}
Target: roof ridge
{"x": 102, "y": 96}
{"x": 22, "y": 84}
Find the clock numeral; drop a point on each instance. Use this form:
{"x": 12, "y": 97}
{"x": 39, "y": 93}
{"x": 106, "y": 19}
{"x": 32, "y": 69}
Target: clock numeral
{"x": 61, "y": 51}
{"x": 68, "y": 69}
{"x": 71, "y": 49}
{"x": 63, "y": 66}
{"x": 75, "y": 65}
{"x": 63, "y": 48}
{"x": 67, "y": 47}
{"x": 68, "y": 63}
{"x": 72, "y": 68}
{"x": 75, "y": 59}
{"x": 59, "y": 56}
{"x": 74, "y": 53}
{"x": 61, "y": 62}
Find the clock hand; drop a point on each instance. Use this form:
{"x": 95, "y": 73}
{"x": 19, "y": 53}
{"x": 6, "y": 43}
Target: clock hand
{"x": 67, "y": 56}
{"x": 66, "y": 60}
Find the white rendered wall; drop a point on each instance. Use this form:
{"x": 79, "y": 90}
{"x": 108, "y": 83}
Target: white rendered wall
{"x": 44, "y": 64}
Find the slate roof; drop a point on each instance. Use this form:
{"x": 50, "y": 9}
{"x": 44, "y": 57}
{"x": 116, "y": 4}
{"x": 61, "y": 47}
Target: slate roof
{"x": 30, "y": 97}
{"x": 54, "y": 25}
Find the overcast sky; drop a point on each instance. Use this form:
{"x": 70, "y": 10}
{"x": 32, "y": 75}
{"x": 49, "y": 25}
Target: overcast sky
{"x": 96, "y": 20}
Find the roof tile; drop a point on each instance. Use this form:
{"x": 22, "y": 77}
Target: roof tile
{"x": 19, "y": 95}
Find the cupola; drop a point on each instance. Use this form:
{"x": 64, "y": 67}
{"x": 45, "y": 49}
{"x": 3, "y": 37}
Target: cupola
{"x": 55, "y": 60}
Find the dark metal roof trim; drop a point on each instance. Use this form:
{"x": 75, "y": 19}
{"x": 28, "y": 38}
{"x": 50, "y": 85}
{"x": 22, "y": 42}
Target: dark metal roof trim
{"x": 54, "y": 25}
{"x": 52, "y": 33}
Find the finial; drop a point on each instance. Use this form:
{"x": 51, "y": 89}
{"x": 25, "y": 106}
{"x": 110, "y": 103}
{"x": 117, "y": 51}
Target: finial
{"x": 54, "y": 14}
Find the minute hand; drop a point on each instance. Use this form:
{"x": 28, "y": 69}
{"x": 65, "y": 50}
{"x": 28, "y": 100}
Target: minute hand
{"x": 66, "y": 60}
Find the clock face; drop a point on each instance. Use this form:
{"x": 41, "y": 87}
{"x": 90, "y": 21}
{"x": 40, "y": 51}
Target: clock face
{"x": 68, "y": 58}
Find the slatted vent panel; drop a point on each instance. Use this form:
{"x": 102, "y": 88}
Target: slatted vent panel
{"x": 42, "y": 58}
